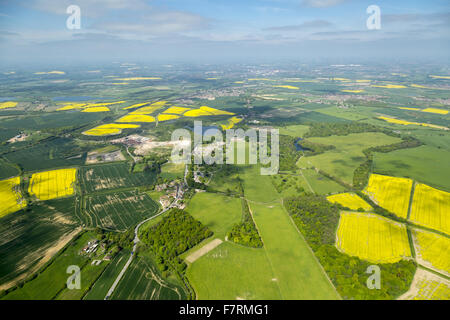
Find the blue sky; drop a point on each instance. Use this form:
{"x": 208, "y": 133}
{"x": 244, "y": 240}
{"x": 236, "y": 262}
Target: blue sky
{"x": 35, "y": 30}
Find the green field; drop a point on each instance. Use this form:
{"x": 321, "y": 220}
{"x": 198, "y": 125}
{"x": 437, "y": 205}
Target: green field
{"x": 142, "y": 281}
{"x": 293, "y": 262}
{"x": 231, "y": 271}
{"x": 296, "y": 131}
{"x": 172, "y": 171}
{"x": 106, "y": 280}
{"x": 33, "y": 234}
{"x": 426, "y": 164}
{"x": 118, "y": 210}
{"x": 342, "y": 161}
{"x": 219, "y": 213}
{"x": 112, "y": 176}
{"x": 52, "y": 281}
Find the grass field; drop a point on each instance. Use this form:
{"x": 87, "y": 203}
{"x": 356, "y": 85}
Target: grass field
{"x": 34, "y": 236}
{"x": 391, "y": 193}
{"x": 219, "y": 213}
{"x": 231, "y": 272}
{"x": 118, "y": 210}
{"x": 293, "y": 263}
{"x": 12, "y": 200}
{"x": 372, "y": 238}
{"x": 433, "y": 250}
{"x": 143, "y": 282}
{"x": 431, "y": 208}
{"x": 112, "y": 176}
{"x": 106, "y": 280}
{"x": 52, "y": 184}
{"x": 342, "y": 161}
{"x": 172, "y": 171}
{"x": 296, "y": 131}
{"x": 350, "y": 200}
{"x": 415, "y": 163}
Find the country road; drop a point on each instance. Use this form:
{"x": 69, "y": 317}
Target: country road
{"x": 136, "y": 241}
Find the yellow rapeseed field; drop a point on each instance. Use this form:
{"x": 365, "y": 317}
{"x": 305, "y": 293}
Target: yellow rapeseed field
{"x": 109, "y": 129}
{"x": 353, "y": 91}
{"x": 231, "y": 122}
{"x": 363, "y": 81}
{"x": 72, "y": 106}
{"x": 136, "y": 118}
{"x": 390, "y": 86}
{"x": 176, "y": 110}
{"x": 435, "y": 110}
{"x": 102, "y": 104}
{"x": 12, "y": 200}
{"x": 137, "y": 105}
{"x": 287, "y": 87}
{"x": 372, "y": 238}
{"x": 51, "y": 72}
{"x": 96, "y": 109}
{"x": 146, "y": 110}
{"x": 440, "y": 77}
{"x": 166, "y": 117}
{"x": 408, "y": 108}
{"x": 433, "y": 248}
{"x": 206, "y": 111}
{"x": 7, "y": 104}
{"x": 350, "y": 200}
{"x": 431, "y": 208}
{"x": 341, "y": 79}
{"x": 404, "y": 122}
{"x": 432, "y": 290}
{"x": 52, "y": 184}
{"x": 391, "y": 193}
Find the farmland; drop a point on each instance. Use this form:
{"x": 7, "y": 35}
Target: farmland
{"x": 112, "y": 176}
{"x": 342, "y": 161}
{"x": 52, "y": 184}
{"x": 11, "y": 196}
{"x": 390, "y": 193}
{"x": 372, "y": 238}
{"x": 350, "y": 201}
{"x": 432, "y": 250}
{"x": 118, "y": 210}
{"x": 143, "y": 282}
{"x": 431, "y": 208}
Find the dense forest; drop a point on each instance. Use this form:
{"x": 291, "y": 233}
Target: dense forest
{"x": 288, "y": 153}
{"x": 176, "y": 233}
{"x": 318, "y": 220}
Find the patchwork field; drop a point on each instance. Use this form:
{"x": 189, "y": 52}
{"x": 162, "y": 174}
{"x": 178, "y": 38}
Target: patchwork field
{"x": 34, "y": 236}
{"x": 431, "y": 208}
{"x": 391, "y": 193}
{"x": 350, "y": 200}
{"x": 12, "y": 200}
{"x": 342, "y": 161}
{"x": 52, "y": 184}
{"x": 415, "y": 163}
{"x": 112, "y": 176}
{"x": 143, "y": 282}
{"x": 172, "y": 171}
{"x": 372, "y": 238}
{"x": 119, "y": 210}
{"x": 432, "y": 250}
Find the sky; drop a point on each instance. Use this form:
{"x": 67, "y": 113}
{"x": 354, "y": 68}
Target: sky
{"x": 35, "y": 31}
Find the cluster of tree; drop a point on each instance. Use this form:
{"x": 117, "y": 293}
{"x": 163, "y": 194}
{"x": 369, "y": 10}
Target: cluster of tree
{"x": 284, "y": 182}
{"x": 311, "y": 148}
{"x": 245, "y": 232}
{"x": 115, "y": 240}
{"x": 362, "y": 173}
{"x": 288, "y": 153}
{"x": 177, "y": 232}
{"x": 326, "y": 129}
{"x": 318, "y": 220}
